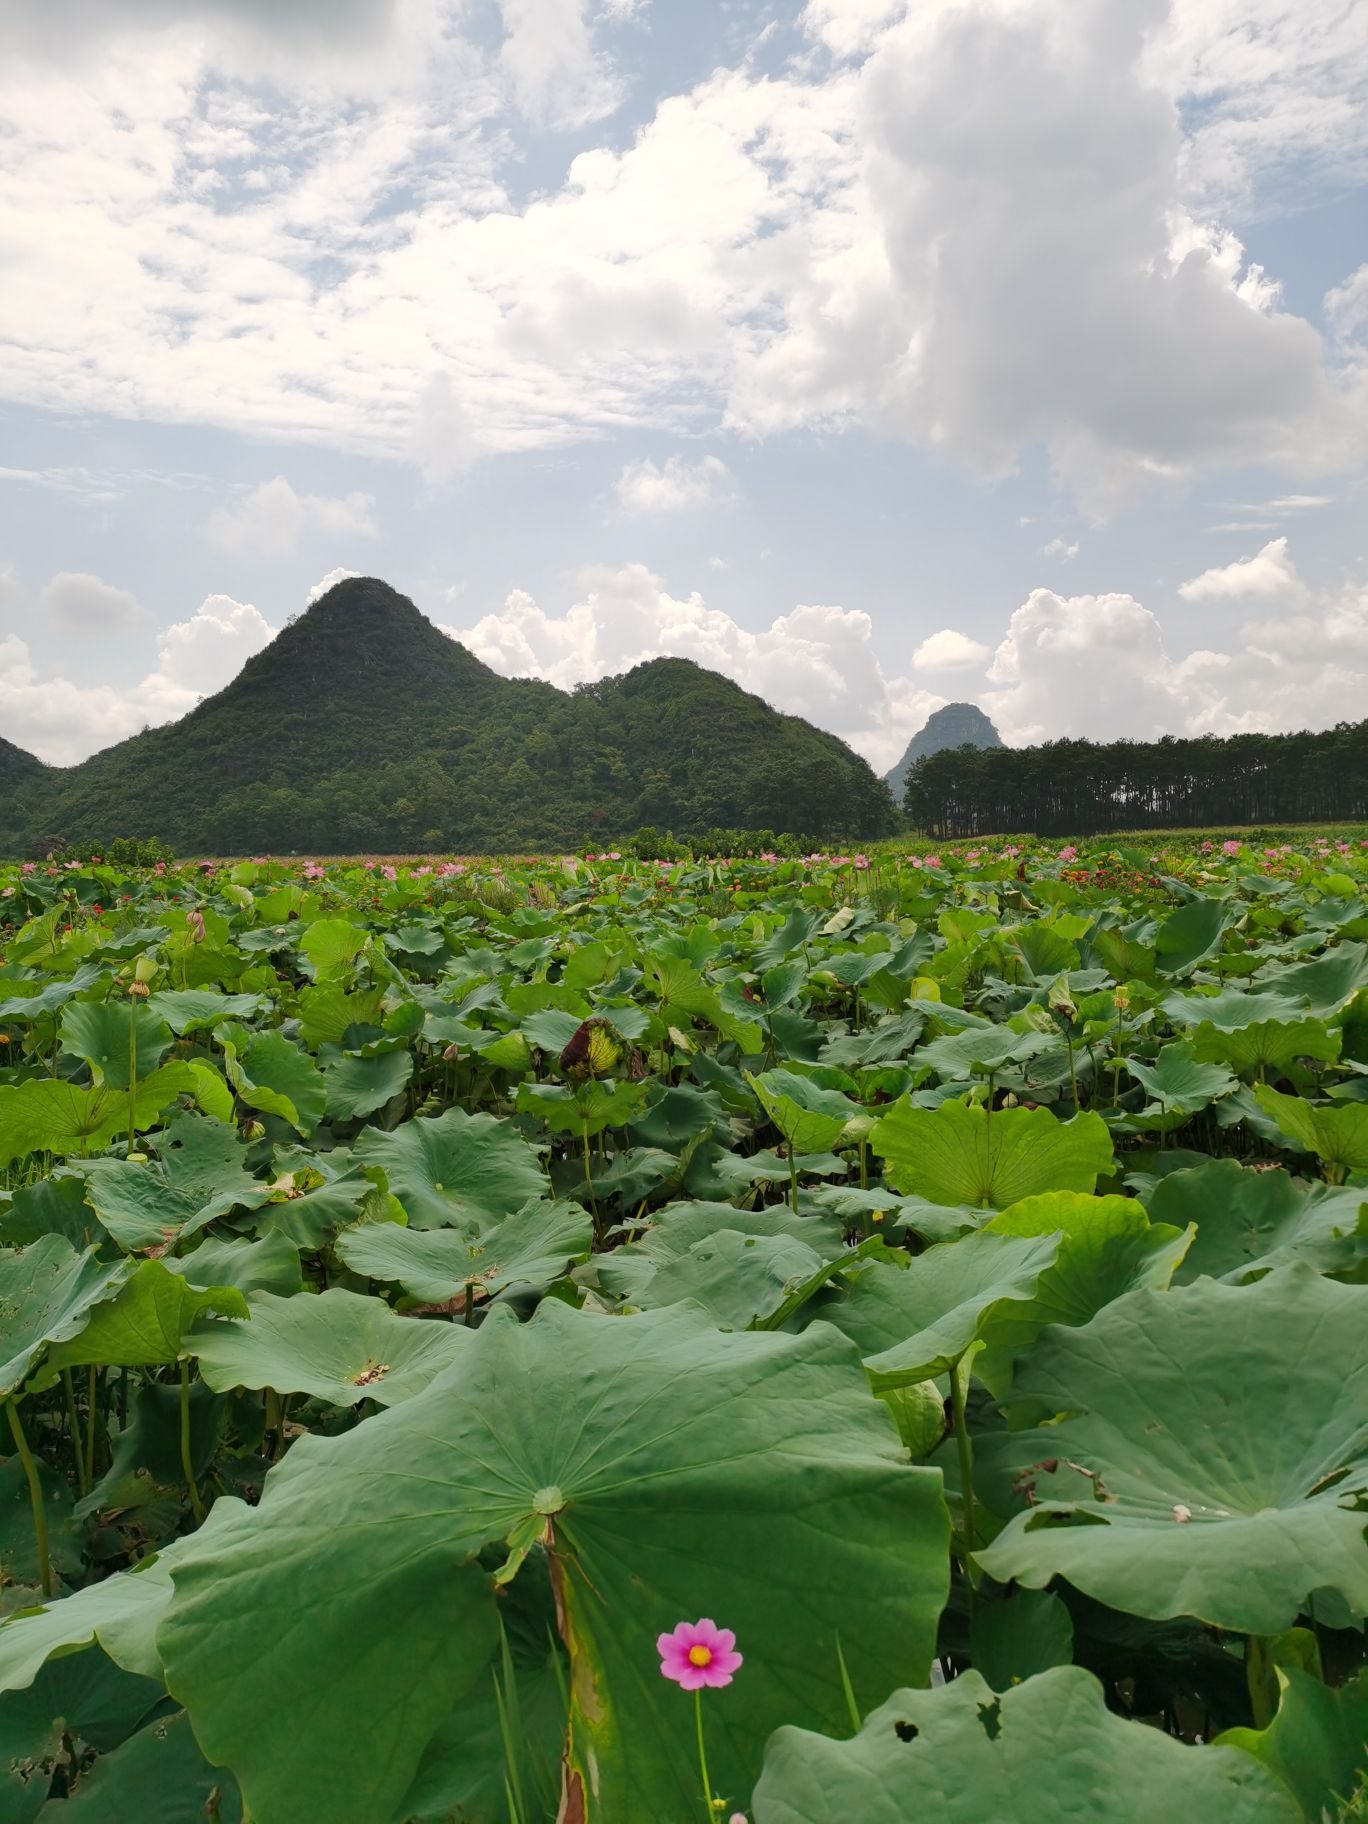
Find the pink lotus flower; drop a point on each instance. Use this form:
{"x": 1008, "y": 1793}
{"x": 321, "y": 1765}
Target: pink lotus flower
{"x": 933, "y": 861}
{"x": 1068, "y": 852}
{"x": 698, "y": 1654}
{"x": 1231, "y": 848}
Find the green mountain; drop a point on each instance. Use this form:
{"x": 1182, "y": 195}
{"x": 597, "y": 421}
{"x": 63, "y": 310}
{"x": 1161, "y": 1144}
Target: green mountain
{"x": 22, "y": 780}
{"x": 363, "y": 727}
{"x": 954, "y": 725}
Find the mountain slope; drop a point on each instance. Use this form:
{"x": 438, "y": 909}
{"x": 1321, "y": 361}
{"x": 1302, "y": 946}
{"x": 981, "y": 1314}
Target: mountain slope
{"x": 22, "y": 779}
{"x": 954, "y": 725}
{"x": 363, "y": 727}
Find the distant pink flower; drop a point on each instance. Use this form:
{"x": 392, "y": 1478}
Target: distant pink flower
{"x": 862, "y": 861}
{"x": 1011, "y": 849}
{"x": 389, "y": 873}
{"x": 27, "y": 867}
{"x": 1068, "y": 852}
{"x": 1231, "y": 848}
{"x": 698, "y": 1654}
{"x": 933, "y": 861}
{"x": 916, "y": 861}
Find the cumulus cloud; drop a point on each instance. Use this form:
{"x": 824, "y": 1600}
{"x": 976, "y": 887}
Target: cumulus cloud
{"x": 817, "y": 661}
{"x": 62, "y": 722}
{"x": 972, "y": 227}
{"x": 1060, "y": 548}
{"x": 1098, "y": 666}
{"x": 674, "y": 485}
{"x": 1270, "y": 572}
{"x": 330, "y": 581}
{"x": 270, "y": 519}
{"x": 949, "y": 651}
{"x": 86, "y": 604}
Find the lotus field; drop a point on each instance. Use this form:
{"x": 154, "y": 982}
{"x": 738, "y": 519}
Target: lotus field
{"x": 813, "y": 1342}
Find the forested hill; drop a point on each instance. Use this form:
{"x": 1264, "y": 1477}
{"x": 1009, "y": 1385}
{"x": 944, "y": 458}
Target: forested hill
{"x": 362, "y": 726}
{"x": 22, "y": 779}
{"x": 1082, "y": 788}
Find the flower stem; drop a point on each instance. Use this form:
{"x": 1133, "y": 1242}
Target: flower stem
{"x": 187, "y": 1459}
{"x": 708, "y": 1808}
{"x": 35, "y": 1489}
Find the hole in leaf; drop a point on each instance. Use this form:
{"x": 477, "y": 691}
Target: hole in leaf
{"x": 906, "y": 1732}
{"x": 990, "y": 1715}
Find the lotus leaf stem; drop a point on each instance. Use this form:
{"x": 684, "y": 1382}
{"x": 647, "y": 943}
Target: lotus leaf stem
{"x": 187, "y": 1458}
{"x": 35, "y": 1488}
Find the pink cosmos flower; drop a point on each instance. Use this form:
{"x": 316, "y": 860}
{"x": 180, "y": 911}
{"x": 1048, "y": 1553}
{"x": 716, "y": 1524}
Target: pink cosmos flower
{"x": 698, "y": 1654}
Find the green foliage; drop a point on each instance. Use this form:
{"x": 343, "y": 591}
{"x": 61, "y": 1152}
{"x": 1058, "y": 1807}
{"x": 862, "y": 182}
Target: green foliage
{"x": 444, "y": 1280}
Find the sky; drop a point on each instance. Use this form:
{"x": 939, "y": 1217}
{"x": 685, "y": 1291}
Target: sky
{"x": 876, "y": 354}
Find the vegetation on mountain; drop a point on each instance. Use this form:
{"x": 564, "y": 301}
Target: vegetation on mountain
{"x": 953, "y": 725}
{"x": 362, "y": 726}
{"x": 1083, "y": 788}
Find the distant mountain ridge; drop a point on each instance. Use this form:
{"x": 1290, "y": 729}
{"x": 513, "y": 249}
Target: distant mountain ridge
{"x": 954, "y": 725}
{"x": 363, "y": 726}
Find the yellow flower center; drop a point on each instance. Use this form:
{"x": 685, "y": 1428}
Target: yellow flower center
{"x": 700, "y": 1656}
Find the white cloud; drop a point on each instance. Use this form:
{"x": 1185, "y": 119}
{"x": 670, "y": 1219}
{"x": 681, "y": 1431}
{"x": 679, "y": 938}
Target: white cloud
{"x": 1098, "y": 666}
{"x": 674, "y": 485}
{"x": 949, "y": 651}
{"x": 977, "y": 229}
{"x": 1270, "y": 572}
{"x": 441, "y": 440}
{"x": 269, "y": 520}
{"x": 330, "y": 581}
{"x": 817, "y": 661}
{"x": 62, "y": 722}
{"x": 548, "y": 56}
{"x": 1060, "y": 548}
{"x": 86, "y": 604}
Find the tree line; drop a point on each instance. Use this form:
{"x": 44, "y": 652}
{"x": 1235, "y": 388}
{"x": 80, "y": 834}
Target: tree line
{"x": 1087, "y": 788}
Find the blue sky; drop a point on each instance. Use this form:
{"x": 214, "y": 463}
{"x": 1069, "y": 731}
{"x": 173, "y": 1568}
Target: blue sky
{"x": 1010, "y": 350}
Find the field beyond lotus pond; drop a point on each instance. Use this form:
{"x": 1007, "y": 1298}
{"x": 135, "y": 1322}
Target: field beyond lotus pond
{"x": 813, "y": 1341}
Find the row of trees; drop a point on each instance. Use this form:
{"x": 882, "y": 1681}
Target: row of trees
{"x": 1083, "y": 788}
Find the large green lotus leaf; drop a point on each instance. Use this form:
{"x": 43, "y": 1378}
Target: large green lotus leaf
{"x": 1248, "y": 1221}
{"x": 327, "y": 1010}
{"x": 1047, "y": 1752}
{"x": 316, "y": 1194}
{"x": 1177, "y": 1079}
{"x": 1338, "y": 1135}
{"x": 1017, "y": 1634}
{"x": 961, "y": 1155}
{"x": 1229, "y": 1429}
{"x": 1192, "y": 932}
{"x": 122, "y": 1613}
{"x": 47, "y": 1115}
{"x": 1317, "y": 1744}
{"x": 331, "y": 945}
{"x": 337, "y": 1346}
{"x": 1231, "y": 1009}
{"x": 736, "y": 1278}
{"x": 587, "y": 1109}
{"x": 268, "y": 1265}
{"x": 674, "y": 1230}
{"x": 810, "y": 1118}
{"x": 51, "y": 1206}
{"x": 1324, "y": 984}
{"x": 455, "y": 1169}
{"x": 50, "y": 996}
{"x": 359, "y": 1086}
{"x": 1107, "y": 1247}
{"x": 269, "y": 1073}
{"x": 530, "y": 1248}
{"x": 187, "y": 1010}
{"x": 983, "y": 1051}
{"x": 103, "y": 1034}
{"x": 198, "y": 1176}
{"x": 914, "y": 1322}
{"x": 47, "y": 1293}
{"x": 1266, "y": 1045}
{"x": 682, "y": 990}
{"x": 145, "y": 1323}
{"x": 673, "y": 1470}
{"x": 157, "y": 1776}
